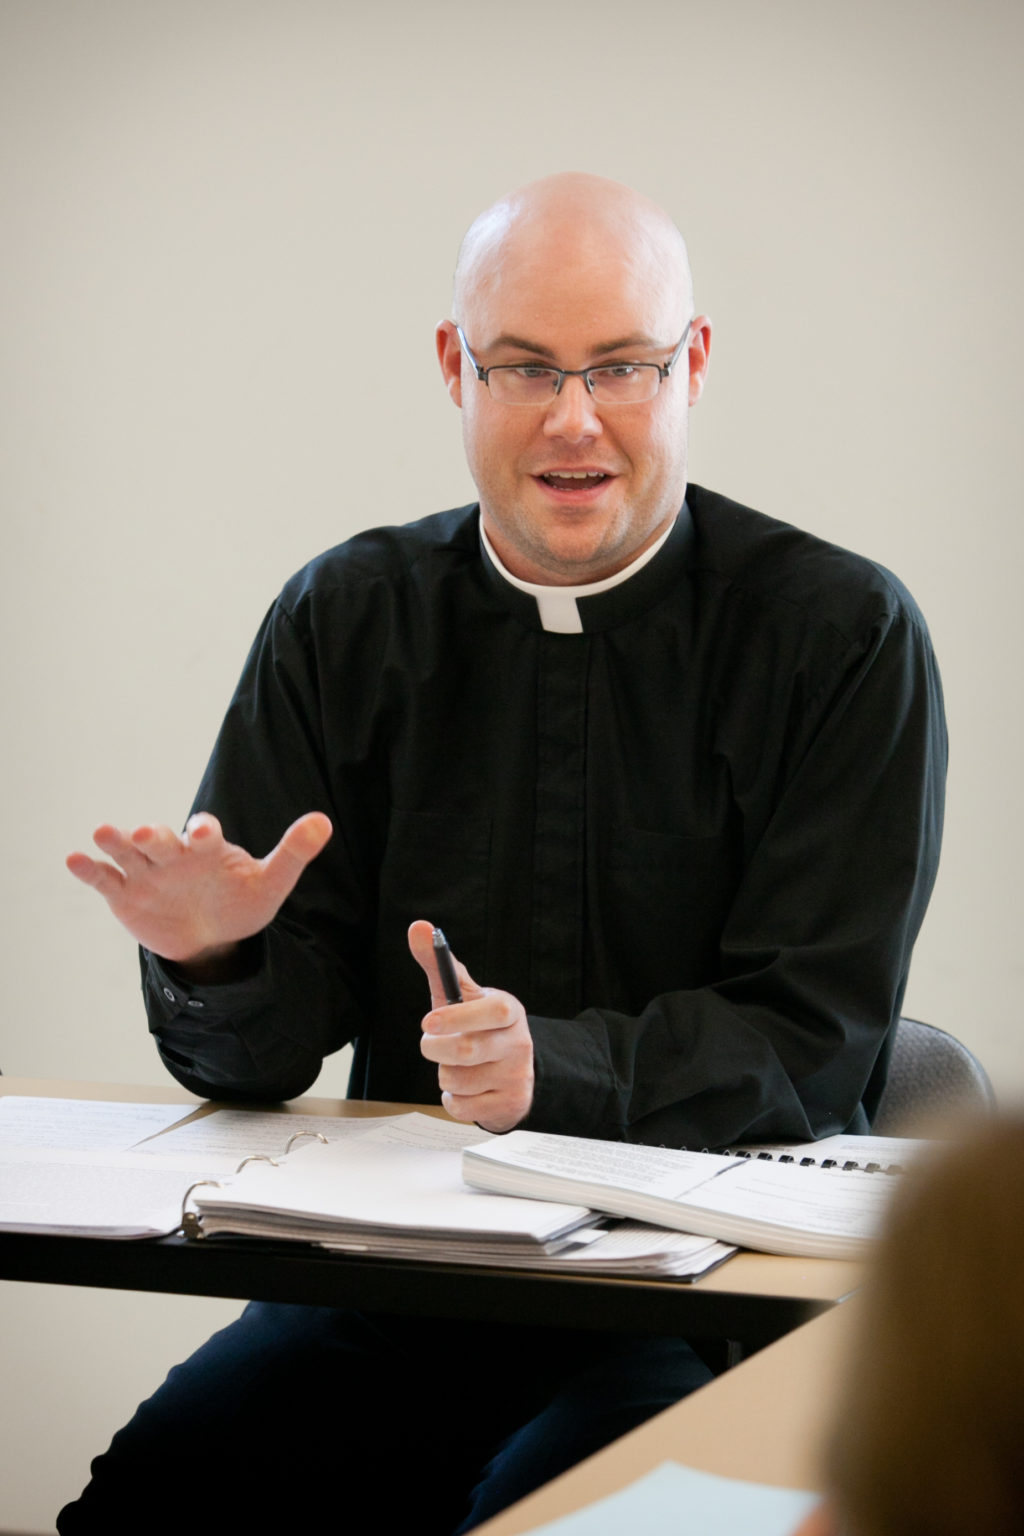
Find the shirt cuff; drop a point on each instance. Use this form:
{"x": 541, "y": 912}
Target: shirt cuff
{"x": 174, "y": 996}
{"x": 572, "y": 1081}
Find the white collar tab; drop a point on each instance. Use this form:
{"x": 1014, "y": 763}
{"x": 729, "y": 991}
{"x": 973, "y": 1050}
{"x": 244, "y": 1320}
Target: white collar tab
{"x": 557, "y": 606}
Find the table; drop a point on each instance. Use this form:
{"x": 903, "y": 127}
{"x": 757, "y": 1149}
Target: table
{"x": 753, "y": 1298}
{"x": 764, "y": 1422}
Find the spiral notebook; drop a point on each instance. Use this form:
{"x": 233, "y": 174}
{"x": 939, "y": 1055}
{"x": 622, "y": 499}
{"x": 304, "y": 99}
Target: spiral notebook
{"x": 774, "y": 1203}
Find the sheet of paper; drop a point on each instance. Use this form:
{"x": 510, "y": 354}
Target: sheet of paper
{"x": 241, "y": 1131}
{"x": 123, "y": 1194}
{"x": 815, "y": 1200}
{"x": 426, "y": 1133}
{"x": 674, "y": 1500}
{"x": 82, "y": 1124}
{"x": 630, "y": 1249}
{"x": 629, "y": 1240}
{"x": 864, "y": 1149}
{"x": 662, "y": 1171}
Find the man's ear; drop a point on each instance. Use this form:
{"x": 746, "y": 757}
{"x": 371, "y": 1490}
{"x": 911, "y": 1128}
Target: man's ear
{"x": 700, "y": 355}
{"x": 449, "y": 355}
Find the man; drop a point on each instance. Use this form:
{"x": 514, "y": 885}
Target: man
{"x": 667, "y": 772}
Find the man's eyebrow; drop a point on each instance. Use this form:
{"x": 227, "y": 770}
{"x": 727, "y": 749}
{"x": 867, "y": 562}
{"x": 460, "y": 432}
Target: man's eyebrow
{"x": 636, "y": 342}
{"x": 520, "y": 344}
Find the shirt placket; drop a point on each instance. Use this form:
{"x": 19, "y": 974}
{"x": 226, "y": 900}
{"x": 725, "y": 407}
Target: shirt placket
{"x": 558, "y": 886}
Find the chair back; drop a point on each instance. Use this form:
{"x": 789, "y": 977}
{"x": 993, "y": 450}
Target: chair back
{"x": 930, "y": 1073}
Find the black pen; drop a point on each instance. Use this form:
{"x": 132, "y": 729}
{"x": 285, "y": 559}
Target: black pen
{"x": 446, "y": 968}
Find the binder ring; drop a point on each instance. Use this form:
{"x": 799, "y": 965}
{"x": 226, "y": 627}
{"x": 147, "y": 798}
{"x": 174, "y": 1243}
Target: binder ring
{"x": 298, "y": 1137}
{"x": 257, "y": 1157}
{"x": 189, "y": 1223}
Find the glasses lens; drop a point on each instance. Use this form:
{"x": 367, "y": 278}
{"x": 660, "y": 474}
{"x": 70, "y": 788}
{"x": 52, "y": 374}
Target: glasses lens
{"x": 616, "y": 384}
{"x": 522, "y": 386}
{"x": 624, "y": 383}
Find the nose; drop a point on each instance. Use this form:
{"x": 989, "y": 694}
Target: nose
{"x": 572, "y": 414}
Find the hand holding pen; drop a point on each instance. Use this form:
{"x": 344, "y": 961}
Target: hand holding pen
{"x": 478, "y": 1037}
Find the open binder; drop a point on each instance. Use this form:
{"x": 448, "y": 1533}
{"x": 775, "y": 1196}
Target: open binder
{"x": 401, "y": 1177}
{"x": 397, "y": 1191}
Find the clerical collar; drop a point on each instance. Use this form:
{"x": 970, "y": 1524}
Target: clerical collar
{"x": 557, "y": 606}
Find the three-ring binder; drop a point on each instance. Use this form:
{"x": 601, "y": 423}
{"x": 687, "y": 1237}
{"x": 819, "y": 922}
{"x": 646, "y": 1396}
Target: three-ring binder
{"x": 190, "y": 1224}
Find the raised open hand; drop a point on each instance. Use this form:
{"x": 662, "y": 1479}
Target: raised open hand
{"x": 192, "y": 897}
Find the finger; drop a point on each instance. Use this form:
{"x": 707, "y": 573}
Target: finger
{"x": 491, "y": 1011}
{"x": 502, "y": 1056}
{"x": 490, "y": 1111}
{"x": 305, "y": 838}
{"x": 469, "y": 1082}
{"x": 455, "y": 1049}
{"x": 203, "y": 831}
{"x": 160, "y": 845}
{"x": 117, "y": 845}
{"x": 421, "y": 944}
{"x": 110, "y": 882}
{"x": 462, "y": 1109}
{"x": 301, "y": 843}
{"x": 464, "y": 1049}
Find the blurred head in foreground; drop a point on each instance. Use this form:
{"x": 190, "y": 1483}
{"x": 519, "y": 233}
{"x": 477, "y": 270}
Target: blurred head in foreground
{"x": 929, "y": 1438}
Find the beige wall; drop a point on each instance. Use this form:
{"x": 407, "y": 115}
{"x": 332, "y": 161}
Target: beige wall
{"x": 212, "y": 210}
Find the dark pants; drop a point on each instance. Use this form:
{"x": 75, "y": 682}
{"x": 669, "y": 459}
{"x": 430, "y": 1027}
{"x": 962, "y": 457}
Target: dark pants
{"x": 298, "y": 1417}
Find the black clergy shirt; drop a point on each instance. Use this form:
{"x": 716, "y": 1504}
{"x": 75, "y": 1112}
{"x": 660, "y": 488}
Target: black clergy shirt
{"x": 696, "y": 840}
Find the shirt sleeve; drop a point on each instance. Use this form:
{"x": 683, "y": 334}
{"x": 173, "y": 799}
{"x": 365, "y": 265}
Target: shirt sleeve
{"x": 790, "y": 1039}
{"x": 301, "y": 994}
{"x": 232, "y": 1040}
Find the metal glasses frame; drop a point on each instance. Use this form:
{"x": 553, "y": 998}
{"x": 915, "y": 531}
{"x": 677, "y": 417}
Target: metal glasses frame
{"x": 561, "y": 374}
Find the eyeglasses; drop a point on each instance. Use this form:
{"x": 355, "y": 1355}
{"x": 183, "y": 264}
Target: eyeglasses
{"x": 609, "y": 384}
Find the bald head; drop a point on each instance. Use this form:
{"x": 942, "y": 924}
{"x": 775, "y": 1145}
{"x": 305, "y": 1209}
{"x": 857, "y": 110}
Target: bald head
{"x": 565, "y": 220}
{"x": 574, "y": 274}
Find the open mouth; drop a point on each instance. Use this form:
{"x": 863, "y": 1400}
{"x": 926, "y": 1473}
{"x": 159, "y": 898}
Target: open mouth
{"x": 573, "y": 480}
